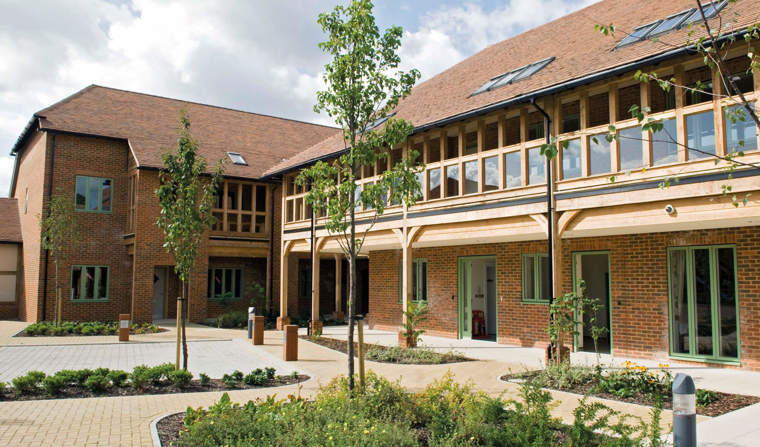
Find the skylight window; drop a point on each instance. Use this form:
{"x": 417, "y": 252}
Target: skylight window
{"x": 672, "y": 22}
{"x": 513, "y": 76}
{"x": 237, "y": 158}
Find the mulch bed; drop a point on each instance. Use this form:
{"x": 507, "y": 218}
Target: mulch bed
{"x": 342, "y": 346}
{"x": 76, "y": 392}
{"x": 170, "y": 427}
{"x": 725, "y": 402}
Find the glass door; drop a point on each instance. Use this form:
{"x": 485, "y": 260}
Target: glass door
{"x": 703, "y": 303}
{"x": 465, "y": 298}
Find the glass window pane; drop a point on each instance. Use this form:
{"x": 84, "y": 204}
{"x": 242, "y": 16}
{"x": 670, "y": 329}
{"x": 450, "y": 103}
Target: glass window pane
{"x": 103, "y": 283}
{"x": 536, "y": 166}
{"x": 232, "y": 196}
{"x": 679, "y": 302}
{"x": 470, "y": 143}
{"x": 89, "y": 282}
{"x": 80, "y": 198}
{"x": 741, "y": 133}
{"x": 544, "y": 285}
{"x": 598, "y": 109}
{"x": 727, "y": 303}
{"x": 245, "y": 225}
{"x": 471, "y": 177}
{"x": 452, "y": 147}
{"x": 434, "y": 150}
{"x": 700, "y": 134}
{"x": 571, "y": 159}
{"x": 571, "y": 116}
{"x": 513, "y": 169}
{"x": 535, "y": 125}
{"x": 105, "y": 195}
{"x": 238, "y": 283}
{"x": 423, "y": 280}
{"x": 664, "y": 147}
{"x": 261, "y": 198}
{"x": 299, "y": 206}
{"x": 218, "y": 282}
{"x": 228, "y": 281}
{"x": 289, "y": 211}
{"x": 452, "y": 180}
{"x": 434, "y": 183}
{"x": 599, "y": 154}
{"x": 490, "y": 174}
{"x": 261, "y": 221}
{"x": 232, "y": 222}
{"x": 247, "y": 198}
{"x": 703, "y": 302}
{"x": 528, "y": 278}
{"x": 76, "y": 282}
{"x": 93, "y": 194}
{"x": 631, "y": 149}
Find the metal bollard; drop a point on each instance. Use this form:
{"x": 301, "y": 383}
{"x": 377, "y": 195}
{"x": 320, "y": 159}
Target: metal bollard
{"x": 290, "y": 343}
{"x": 123, "y": 327}
{"x": 684, "y": 411}
{"x": 251, "y": 313}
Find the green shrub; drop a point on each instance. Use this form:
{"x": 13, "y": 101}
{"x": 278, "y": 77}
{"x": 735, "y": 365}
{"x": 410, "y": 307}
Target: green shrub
{"x": 269, "y": 373}
{"x": 161, "y": 372}
{"x": 237, "y": 375}
{"x": 229, "y": 381}
{"x": 89, "y": 330}
{"x": 53, "y": 384}
{"x": 256, "y": 378}
{"x": 233, "y": 319}
{"x": 634, "y": 379}
{"x": 97, "y": 383}
{"x": 705, "y": 397}
{"x": 117, "y": 377}
{"x": 69, "y": 376}
{"x": 205, "y": 380}
{"x": 28, "y": 383}
{"x": 140, "y": 376}
{"x": 395, "y": 354}
{"x": 180, "y": 378}
{"x": 68, "y": 326}
{"x": 82, "y": 375}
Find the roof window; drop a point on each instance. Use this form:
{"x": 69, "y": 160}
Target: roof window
{"x": 237, "y": 158}
{"x": 512, "y": 76}
{"x": 672, "y": 22}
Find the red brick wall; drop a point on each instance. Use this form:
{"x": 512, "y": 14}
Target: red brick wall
{"x": 254, "y": 270}
{"x": 639, "y": 295}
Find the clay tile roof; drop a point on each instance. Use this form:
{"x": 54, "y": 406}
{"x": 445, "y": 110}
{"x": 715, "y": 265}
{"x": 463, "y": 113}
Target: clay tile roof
{"x": 10, "y": 225}
{"x": 578, "y": 48}
{"x": 150, "y": 123}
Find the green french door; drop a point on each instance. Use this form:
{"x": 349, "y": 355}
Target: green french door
{"x": 704, "y": 312}
{"x": 465, "y": 298}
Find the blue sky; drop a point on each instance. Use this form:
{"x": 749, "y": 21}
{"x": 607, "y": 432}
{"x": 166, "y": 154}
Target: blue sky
{"x": 260, "y": 56}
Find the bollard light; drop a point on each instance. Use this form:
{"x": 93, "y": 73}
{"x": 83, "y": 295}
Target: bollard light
{"x": 251, "y": 313}
{"x": 123, "y": 327}
{"x": 684, "y": 411}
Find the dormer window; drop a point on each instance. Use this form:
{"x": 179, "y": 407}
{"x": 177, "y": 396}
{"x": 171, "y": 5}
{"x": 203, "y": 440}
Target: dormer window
{"x": 237, "y": 158}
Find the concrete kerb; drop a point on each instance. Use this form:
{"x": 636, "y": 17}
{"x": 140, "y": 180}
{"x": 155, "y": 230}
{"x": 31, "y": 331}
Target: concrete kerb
{"x": 154, "y": 428}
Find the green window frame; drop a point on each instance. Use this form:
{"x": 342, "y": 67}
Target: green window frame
{"x": 224, "y": 284}
{"x": 93, "y": 194}
{"x": 89, "y": 283}
{"x": 717, "y": 285}
{"x": 419, "y": 287}
{"x": 532, "y": 266}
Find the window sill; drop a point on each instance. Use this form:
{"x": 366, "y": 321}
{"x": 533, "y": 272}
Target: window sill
{"x": 534, "y": 302}
{"x": 711, "y": 360}
{"x": 218, "y": 300}
{"x": 99, "y": 300}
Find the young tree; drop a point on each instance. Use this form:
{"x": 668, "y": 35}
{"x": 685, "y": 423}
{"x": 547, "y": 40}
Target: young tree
{"x": 186, "y": 199}
{"x": 364, "y": 85}
{"x": 59, "y": 236}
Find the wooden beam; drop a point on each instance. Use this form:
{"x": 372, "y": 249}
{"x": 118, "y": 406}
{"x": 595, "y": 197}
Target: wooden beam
{"x": 565, "y": 219}
{"x": 680, "y": 124}
{"x": 645, "y": 136}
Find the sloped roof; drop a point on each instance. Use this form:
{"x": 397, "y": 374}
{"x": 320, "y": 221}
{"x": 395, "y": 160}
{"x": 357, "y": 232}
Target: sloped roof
{"x": 10, "y": 225}
{"x": 150, "y": 125}
{"x": 579, "y": 50}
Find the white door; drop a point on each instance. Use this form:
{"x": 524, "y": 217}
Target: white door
{"x": 159, "y": 290}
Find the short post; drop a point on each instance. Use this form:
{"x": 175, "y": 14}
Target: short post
{"x": 684, "y": 411}
{"x": 360, "y": 330}
{"x": 123, "y": 327}
{"x": 258, "y": 330}
{"x": 290, "y": 340}
{"x": 251, "y": 313}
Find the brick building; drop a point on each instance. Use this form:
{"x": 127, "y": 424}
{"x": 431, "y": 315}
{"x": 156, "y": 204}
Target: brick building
{"x": 676, "y": 268}
{"x": 102, "y": 147}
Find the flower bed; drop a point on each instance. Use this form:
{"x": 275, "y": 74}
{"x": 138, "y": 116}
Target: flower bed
{"x": 48, "y": 328}
{"x": 632, "y": 383}
{"x": 384, "y": 413}
{"x": 392, "y": 354}
{"x": 161, "y": 379}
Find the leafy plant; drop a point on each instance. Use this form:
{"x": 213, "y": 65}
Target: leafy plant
{"x": 255, "y": 378}
{"x": 53, "y": 384}
{"x": 237, "y": 375}
{"x": 97, "y": 383}
{"x": 160, "y": 372}
{"x": 232, "y": 319}
{"x": 59, "y": 235}
{"x": 140, "y": 376}
{"x": 705, "y": 397}
{"x": 269, "y": 372}
{"x": 29, "y": 383}
{"x": 229, "y": 381}
{"x": 205, "y": 380}
{"x": 117, "y": 377}
{"x": 635, "y": 379}
{"x": 180, "y": 378}
{"x": 414, "y": 316}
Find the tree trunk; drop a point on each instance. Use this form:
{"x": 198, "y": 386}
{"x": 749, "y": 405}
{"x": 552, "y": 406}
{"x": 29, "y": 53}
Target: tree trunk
{"x": 184, "y": 319}
{"x": 351, "y": 293}
{"x": 57, "y": 295}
